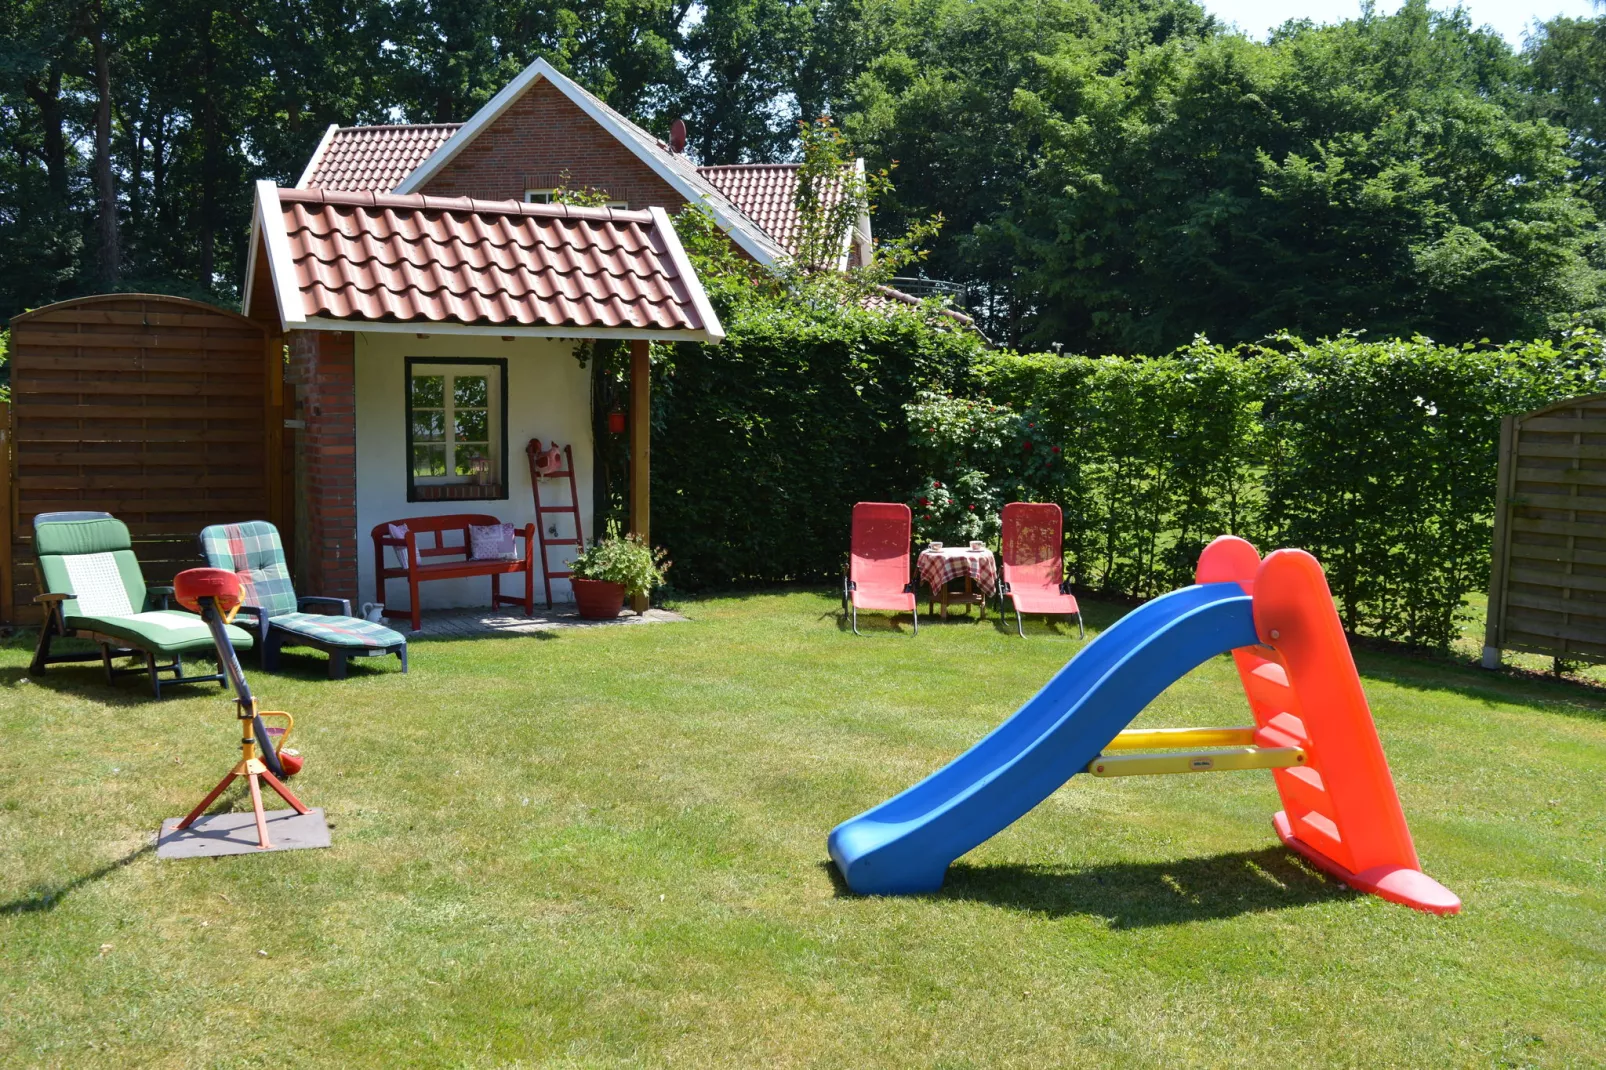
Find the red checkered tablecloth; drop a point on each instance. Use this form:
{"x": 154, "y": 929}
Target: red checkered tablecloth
{"x": 938, "y": 567}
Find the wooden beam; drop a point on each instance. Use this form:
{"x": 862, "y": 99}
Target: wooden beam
{"x": 8, "y": 517}
{"x": 640, "y": 448}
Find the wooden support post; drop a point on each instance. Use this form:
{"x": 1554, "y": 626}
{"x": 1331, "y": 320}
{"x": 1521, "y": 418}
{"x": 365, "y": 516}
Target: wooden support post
{"x": 8, "y": 517}
{"x": 640, "y": 449}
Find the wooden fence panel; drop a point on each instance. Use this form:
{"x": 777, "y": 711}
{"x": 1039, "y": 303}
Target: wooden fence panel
{"x": 1547, "y": 585}
{"x": 164, "y": 412}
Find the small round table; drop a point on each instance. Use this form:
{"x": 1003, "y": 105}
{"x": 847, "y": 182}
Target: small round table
{"x": 939, "y": 568}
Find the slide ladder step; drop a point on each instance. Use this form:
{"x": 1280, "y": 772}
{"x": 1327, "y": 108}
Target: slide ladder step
{"x": 1207, "y": 761}
{"x": 1166, "y": 738}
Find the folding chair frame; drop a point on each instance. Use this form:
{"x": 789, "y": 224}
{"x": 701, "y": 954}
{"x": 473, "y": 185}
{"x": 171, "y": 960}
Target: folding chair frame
{"x": 1020, "y": 627}
{"x": 849, "y": 586}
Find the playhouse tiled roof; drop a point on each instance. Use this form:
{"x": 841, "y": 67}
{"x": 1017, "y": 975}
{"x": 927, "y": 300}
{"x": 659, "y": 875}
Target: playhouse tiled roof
{"x": 767, "y": 194}
{"x": 373, "y": 158}
{"x": 387, "y": 258}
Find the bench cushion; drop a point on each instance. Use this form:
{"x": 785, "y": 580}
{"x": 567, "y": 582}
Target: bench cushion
{"x": 337, "y": 631}
{"x": 165, "y": 631}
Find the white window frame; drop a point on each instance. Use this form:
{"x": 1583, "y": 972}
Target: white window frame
{"x": 495, "y": 373}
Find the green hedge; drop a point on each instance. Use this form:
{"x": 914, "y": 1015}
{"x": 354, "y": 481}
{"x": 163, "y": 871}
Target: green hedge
{"x": 762, "y": 444}
{"x": 1378, "y": 457}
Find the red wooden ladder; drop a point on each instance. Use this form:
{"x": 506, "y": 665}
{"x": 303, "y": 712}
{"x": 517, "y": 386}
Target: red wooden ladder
{"x": 549, "y": 541}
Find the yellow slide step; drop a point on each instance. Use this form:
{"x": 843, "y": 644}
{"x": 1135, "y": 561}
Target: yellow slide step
{"x": 1171, "y": 738}
{"x": 1209, "y": 761}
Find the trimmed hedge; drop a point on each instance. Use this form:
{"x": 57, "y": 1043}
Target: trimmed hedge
{"x": 762, "y": 444}
{"x": 1378, "y": 457}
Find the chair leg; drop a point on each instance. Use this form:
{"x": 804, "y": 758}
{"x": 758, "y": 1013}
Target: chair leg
{"x": 337, "y": 665}
{"x": 1081, "y": 632}
{"x": 270, "y": 650}
{"x": 41, "y": 650}
{"x": 155, "y": 674}
{"x": 916, "y": 612}
{"x": 855, "y": 612}
{"x": 106, "y": 662}
{"x": 1020, "y": 625}
{"x": 412, "y": 589}
{"x": 402, "y": 653}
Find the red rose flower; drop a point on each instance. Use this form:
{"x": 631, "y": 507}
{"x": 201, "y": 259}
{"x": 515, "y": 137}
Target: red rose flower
{"x": 925, "y": 501}
{"x": 1027, "y": 446}
{"x": 935, "y": 484}
{"x": 1056, "y": 449}
{"x": 972, "y": 508}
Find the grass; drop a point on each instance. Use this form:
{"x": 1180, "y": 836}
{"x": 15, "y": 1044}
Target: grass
{"x": 607, "y": 848}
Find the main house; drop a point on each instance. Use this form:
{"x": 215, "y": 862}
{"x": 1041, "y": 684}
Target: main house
{"x": 432, "y": 289}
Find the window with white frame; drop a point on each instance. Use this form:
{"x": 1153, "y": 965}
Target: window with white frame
{"x": 456, "y": 429}
{"x": 547, "y": 196}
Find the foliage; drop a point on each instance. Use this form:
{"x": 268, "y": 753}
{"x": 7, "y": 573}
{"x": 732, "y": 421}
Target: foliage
{"x": 1122, "y": 190}
{"x": 623, "y": 559}
{"x": 1378, "y": 457}
{"x": 762, "y": 443}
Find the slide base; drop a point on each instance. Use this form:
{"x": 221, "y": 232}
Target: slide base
{"x": 1397, "y": 884}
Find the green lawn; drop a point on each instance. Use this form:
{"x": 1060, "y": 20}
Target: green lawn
{"x": 607, "y": 848}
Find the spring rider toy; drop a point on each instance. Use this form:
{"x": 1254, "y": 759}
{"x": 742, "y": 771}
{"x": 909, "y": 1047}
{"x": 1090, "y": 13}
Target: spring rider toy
{"x": 215, "y": 594}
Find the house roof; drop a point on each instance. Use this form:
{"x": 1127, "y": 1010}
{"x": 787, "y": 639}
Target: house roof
{"x": 767, "y": 194}
{"x": 343, "y": 260}
{"x": 674, "y": 168}
{"x": 372, "y": 158}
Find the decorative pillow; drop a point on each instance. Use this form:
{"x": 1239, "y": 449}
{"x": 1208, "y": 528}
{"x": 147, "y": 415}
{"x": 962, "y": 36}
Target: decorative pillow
{"x": 399, "y": 531}
{"x": 491, "y": 542}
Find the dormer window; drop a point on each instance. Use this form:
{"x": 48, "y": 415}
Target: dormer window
{"x": 538, "y": 196}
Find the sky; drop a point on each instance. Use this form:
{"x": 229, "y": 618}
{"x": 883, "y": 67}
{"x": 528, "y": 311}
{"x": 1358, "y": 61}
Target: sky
{"x": 1510, "y": 17}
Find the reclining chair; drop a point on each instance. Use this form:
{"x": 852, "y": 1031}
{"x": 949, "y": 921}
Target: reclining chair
{"x": 254, "y": 552}
{"x": 93, "y": 589}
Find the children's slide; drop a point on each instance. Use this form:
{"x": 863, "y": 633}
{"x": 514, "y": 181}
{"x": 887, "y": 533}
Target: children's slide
{"x": 1312, "y": 729}
{"x": 906, "y": 844}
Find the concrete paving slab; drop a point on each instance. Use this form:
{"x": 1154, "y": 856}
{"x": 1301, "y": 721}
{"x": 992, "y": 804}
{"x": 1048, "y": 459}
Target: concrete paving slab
{"x": 235, "y": 833}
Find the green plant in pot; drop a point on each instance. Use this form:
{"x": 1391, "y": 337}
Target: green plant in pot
{"x": 613, "y": 568}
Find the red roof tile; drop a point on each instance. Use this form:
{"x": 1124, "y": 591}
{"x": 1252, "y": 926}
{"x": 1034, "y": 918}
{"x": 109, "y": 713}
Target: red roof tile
{"x": 373, "y": 158}
{"x": 767, "y": 194}
{"x": 406, "y": 259}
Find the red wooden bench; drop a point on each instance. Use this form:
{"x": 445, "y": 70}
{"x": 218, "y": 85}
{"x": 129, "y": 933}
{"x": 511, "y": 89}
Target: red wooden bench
{"x": 424, "y": 560}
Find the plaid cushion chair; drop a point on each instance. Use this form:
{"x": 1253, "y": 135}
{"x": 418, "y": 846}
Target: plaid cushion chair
{"x": 253, "y": 552}
{"x": 93, "y": 589}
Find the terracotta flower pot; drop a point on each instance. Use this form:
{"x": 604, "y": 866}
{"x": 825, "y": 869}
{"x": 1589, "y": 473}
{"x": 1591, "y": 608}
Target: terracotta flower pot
{"x": 598, "y": 599}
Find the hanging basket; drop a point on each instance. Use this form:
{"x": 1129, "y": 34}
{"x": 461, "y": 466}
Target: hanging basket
{"x": 598, "y": 599}
{"x": 616, "y": 423}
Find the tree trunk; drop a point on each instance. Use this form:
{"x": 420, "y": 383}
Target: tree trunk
{"x": 105, "y": 181}
{"x": 46, "y": 96}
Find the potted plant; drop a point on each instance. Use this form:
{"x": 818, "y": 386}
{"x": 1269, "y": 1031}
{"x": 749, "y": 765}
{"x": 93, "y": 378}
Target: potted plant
{"x": 612, "y": 568}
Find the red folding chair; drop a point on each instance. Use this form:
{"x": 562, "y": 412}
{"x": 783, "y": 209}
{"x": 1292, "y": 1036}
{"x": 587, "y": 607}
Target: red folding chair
{"x": 878, "y": 563}
{"x": 1034, "y": 563}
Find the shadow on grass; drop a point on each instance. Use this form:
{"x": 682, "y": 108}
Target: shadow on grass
{"x": 48, "y": 898}
{"x": 1426, "y": 672}
{"x": 1136, "y": 895}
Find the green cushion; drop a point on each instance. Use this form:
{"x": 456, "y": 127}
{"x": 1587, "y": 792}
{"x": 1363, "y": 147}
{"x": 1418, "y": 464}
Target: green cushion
{"x": 164, "y": 631}
{"x": 81, "y": 537}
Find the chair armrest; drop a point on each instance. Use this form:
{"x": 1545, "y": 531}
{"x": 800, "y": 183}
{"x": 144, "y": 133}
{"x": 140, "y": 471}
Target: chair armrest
{"x": 52, "y": 599}
{"x": 343, "y": 604}
{"x": 161, "y": 593}
{"x": 1065, "y": 587}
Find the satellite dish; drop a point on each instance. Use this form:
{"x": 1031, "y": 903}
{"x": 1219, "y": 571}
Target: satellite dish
{"x": 677, "y": 136}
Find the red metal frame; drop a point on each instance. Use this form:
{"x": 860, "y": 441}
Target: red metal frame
{"x": 532, "y": 450}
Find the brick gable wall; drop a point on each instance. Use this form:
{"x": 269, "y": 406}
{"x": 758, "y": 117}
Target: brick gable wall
{"x": 323, "y": 369}
{"x": 531, "y": 144}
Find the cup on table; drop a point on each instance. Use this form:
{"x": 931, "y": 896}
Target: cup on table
{"x": 977, "y": 545}
{"x": 934, "y": 545}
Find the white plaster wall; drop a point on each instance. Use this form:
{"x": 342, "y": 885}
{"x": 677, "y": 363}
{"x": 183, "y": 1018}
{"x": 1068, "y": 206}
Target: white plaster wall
{"x": 548, "y": 397}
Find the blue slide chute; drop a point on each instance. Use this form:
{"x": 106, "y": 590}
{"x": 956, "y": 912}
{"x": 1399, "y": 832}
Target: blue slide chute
{"x": 906, "y": 844}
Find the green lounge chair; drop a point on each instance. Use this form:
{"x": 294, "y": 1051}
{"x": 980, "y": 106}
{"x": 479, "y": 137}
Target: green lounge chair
{"x": 254, "y": 552}
{"x": 93, "y": 589}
